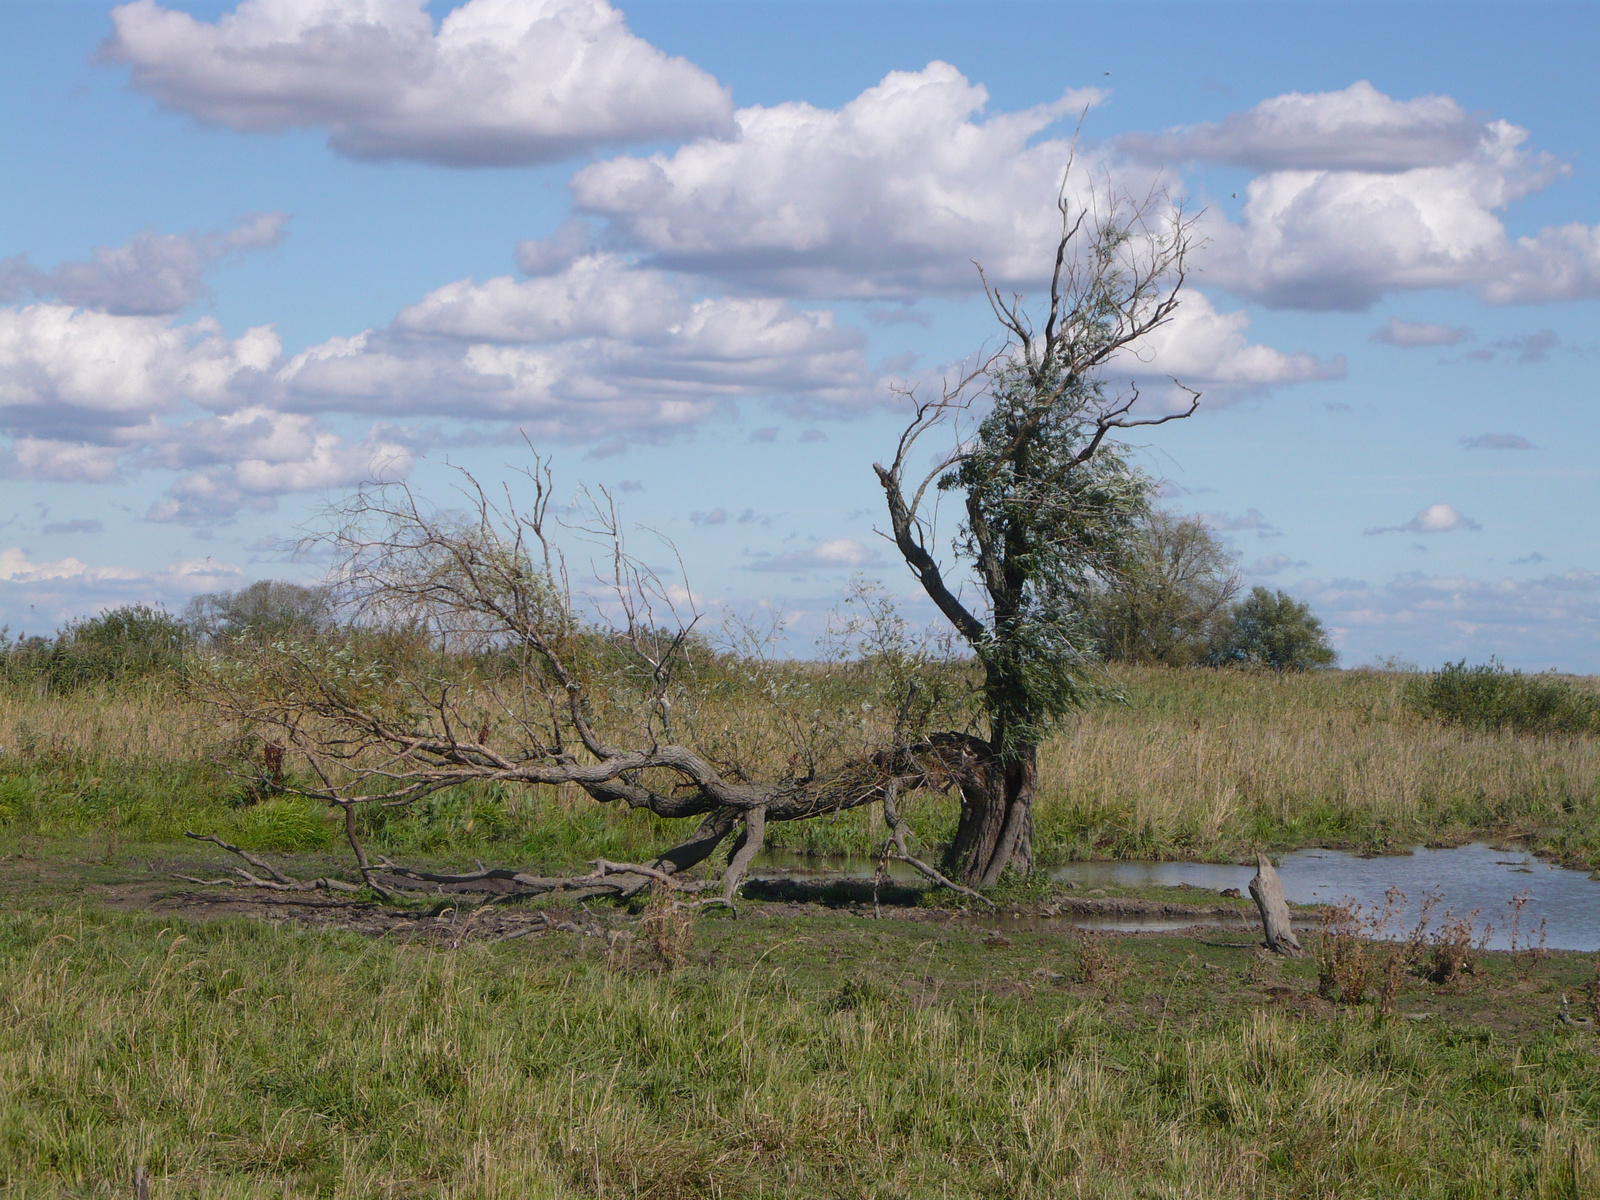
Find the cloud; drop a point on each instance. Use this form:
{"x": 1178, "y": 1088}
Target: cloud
{"x": 1553, "y": 620}
{"x": 1417, "y": 333}
{"x": 79, "y": 525}
{"x": 154, "y": 274}
{"x": 1208, "y": 351}
{"x": 1436, "y": 518}
{"x": 1272, "y": 564}
{"x": 1497, "y": 441}
{"x": 73, "y": 375}
{"x": 835, "y": 555}
{"x": 500, "y": 83}
{"x": 1531, "y": 348}
{"x": 887, "y": 196}
{"x": 813, "y": 435}
{"x": 717, "y": 516}
{"x": 600, "y": 347}
{"x": 255, "y": 454}
{"x": 1528, "y": 560}
{"x": 1250, "y": 519}
{"x": 1358, "y": 129}
{"x": 767, "y": 433}
{"x": 1330, "y": 224}
{"x": 38, "y": 596}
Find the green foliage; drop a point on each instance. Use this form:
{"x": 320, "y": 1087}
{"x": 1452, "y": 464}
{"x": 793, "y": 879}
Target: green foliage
{"x": 132, "y": 642}
{"x": 1169, "y": 597}
{"x": 1490, "y": 697}
{"x": 1044, "y": 524}
{"x": 287, "y": 824}
{"x": 1276, "y": 631}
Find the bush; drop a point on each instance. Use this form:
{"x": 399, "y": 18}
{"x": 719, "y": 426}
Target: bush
{"x": 1273, "y": 630}
{"x": 119, "y": 645}
{"x": 1490, "y": 697}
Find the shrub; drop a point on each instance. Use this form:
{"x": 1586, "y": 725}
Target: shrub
{"x": 121, "y": 644}
{"x": 268, "y": 610}
{"x": 1273, "y": 630}
{"x": 1490, "y": 697}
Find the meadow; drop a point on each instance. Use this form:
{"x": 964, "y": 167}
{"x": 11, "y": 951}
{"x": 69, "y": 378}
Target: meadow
{"x": 803, "y": 1049}
{"x": 1193, "y": 764}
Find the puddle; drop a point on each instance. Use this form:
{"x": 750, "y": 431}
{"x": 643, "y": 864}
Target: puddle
{"x": 1466, "y": 878}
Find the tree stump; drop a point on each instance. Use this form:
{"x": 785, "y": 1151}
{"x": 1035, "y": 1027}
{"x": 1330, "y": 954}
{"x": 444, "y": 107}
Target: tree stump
{"x": 1267, "y": 891}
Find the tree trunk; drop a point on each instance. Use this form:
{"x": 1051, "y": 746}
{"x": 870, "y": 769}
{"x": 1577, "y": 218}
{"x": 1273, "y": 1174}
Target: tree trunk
{"x": 996, "y": 829}
{"x": 1267, "y": 890}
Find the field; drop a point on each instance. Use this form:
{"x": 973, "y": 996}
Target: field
{"x": 1196, "y": 764}
{"x": 249, "y": 1045}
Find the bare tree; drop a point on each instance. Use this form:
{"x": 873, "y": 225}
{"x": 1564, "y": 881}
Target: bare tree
{"x": 469, "y": 663}
{"x": 1048, "y": 499}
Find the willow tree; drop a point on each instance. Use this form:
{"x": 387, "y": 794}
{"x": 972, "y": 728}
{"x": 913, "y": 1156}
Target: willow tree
{"x": 1048, "y": 504}
{"x": 470, "y": 659}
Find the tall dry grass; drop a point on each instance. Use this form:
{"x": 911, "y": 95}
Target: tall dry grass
{"x": 1196, "y": 764}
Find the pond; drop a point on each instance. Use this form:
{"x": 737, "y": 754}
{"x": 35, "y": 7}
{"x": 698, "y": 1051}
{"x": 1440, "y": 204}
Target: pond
{"x": 1562, "y": 906}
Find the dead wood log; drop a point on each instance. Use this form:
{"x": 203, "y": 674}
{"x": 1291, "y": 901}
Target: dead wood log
{"x": 1267, "y": 891}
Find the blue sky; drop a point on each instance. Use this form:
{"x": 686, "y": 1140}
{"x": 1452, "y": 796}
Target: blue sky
{"x": 251, "y": 254}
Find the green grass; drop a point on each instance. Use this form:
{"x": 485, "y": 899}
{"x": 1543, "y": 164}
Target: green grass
{"x": 801, "y": 1056}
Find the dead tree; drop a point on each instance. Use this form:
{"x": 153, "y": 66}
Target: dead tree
{"x": 468, "y": 664}
{"x": 1048, "y": 502}
{"x": 1266, "y": 889}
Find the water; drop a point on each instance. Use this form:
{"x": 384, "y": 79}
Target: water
{"x": 1466, "y": 878}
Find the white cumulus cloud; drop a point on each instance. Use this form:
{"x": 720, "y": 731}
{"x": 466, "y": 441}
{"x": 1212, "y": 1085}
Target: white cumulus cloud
{"x": 890, "y": 195}
{"x": 1361, "y": 196}
{"x": 500, "y": 82}
{"x": 1357, "y": 129}
{"x": 1436, "y": 518}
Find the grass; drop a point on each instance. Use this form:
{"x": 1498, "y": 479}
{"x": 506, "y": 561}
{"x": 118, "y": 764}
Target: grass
{"x": 796, "y": 1056}
{"x": 1197, "y": 764}
{"x": 801, "y": 1051}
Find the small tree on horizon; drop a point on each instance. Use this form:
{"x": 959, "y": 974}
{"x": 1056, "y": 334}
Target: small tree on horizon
{"x": 1170, "y": 594}
{"x": 1275, "y": 631}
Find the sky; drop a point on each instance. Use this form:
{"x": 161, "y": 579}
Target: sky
{"x": 255, "y": 255}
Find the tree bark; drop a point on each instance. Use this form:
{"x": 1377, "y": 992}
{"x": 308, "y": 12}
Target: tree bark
{"x": 996, "y": 829}
{"x": 1267, "y": 891}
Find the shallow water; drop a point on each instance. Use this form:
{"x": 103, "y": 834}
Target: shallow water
{"x": 1464, "y": 878}
{"x": 1567, "y": 903}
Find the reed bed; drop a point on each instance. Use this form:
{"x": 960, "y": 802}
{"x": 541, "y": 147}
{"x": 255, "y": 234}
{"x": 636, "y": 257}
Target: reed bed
{"x": 1200, "y": 764}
